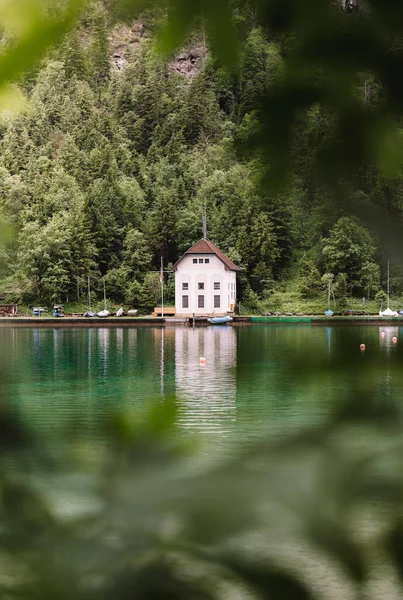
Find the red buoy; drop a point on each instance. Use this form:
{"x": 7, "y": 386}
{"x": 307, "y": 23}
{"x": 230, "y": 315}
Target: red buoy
{"x": 362, "y": 346}
{"x": 394, "y": 340}
{"x": 382, "y": 334}
{"x": 202, "y": 360}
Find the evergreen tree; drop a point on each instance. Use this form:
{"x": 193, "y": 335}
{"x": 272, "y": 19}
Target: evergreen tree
{"x": 98, "y": 52}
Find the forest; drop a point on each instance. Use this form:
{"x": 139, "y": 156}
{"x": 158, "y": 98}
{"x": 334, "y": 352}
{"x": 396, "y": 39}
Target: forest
{"x": 116, "y": 151}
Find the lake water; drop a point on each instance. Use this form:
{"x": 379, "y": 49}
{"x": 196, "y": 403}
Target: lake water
{"x": 255, "y": 376}
{"x": 256, "y": 379}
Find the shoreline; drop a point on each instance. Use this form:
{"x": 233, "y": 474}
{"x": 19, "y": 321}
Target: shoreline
{"x": 173, "y": 321}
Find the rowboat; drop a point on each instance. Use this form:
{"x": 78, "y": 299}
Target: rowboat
{"x": 220, "y": 320}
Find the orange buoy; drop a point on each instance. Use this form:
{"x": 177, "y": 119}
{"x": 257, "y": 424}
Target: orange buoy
{"x": 202, "y": 360}
{"x": 362, "y": 346}
{"x": 394, "y": 340}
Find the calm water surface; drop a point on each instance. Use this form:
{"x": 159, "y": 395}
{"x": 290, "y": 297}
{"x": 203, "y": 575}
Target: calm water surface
{"x": 255, "y": 377}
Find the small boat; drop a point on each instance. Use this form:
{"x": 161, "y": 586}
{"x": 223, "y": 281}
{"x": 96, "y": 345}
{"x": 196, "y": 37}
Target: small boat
{"x": 132, "y": 313}
{"x": 90, "y": 314}
{"x": 329, "y": 312}
{"x": 220, "y": 320}
{"x": 120, "y": 312}
{"x": 388, "y": 313}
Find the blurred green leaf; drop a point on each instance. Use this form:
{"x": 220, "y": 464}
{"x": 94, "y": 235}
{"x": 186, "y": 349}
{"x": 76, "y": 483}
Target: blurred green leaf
{"x": 394, "y": 544}
{"x": 36, "y": 30}
{"x": 270, "y": 583}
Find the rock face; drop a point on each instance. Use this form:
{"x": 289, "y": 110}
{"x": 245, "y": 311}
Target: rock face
{"x": 350, "y": 5}
{"x": 122, "y": 39}
{"x": 189, "y": 61}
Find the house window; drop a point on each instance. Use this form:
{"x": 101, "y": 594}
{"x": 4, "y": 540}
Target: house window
{"x": 200, "y": 260}
{"x": 216, "y": 285}
{"x": 217, "y": 301}
{"x": 185, "y": 286}
{"x": 200, "y": 285}
{"x": 195, "y": 261}
{"x": 206, "y": 260}
{"x": 200, "y": 301}
{"x": 185, "y": 301}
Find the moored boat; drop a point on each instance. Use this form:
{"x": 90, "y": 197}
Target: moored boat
{"x": 388, "y": 313}
{"x": 220, "y": 320}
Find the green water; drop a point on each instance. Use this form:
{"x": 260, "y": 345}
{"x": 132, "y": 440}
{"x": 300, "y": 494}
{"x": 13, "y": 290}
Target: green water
{"x": 256, "y": 377}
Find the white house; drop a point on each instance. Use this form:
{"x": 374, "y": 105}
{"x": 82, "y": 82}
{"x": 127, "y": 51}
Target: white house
{"x": 205, "y": 281}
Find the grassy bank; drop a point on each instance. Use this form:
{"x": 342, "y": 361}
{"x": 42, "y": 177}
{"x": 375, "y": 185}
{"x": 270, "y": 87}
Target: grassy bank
{"x": 291, "y": 302}
{"x": 279, "y": 302}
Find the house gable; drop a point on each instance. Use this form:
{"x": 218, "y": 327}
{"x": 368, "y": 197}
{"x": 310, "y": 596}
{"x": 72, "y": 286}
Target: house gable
{"x": 205, "y": 247}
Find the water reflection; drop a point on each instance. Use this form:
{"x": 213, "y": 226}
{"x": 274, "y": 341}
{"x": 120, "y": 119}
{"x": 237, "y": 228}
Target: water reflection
{"x": 255, "y": 377}
{"x": 329, "y": 338}
{"x": 119, "y": 347}
{"x": 103, "y": 345}
{"x": 206, "y": 392}
{"x": 386, "y": 335}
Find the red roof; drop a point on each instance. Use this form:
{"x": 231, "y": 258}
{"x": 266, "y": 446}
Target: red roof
{"x": 207, "y": 247}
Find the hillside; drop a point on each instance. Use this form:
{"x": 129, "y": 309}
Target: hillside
{"x": 118, "y": 152}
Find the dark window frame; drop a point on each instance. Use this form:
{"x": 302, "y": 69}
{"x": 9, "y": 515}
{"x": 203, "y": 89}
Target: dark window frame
{"x": 217, "y": 301}
{"x": 200, "y": 301}
{"x": 185, "y": 301}
{"x": 200, "y": 285}
{"x": 185, "y": 286}
{"x": 217, "y": 285}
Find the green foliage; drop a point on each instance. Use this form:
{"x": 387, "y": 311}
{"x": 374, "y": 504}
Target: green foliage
{"x": 381, "y": 296}
{"x": 348, "y": 250}
{"x": 250, "y": 302}
{"x": 309, "y": 282}
{"x": 45, "y": 255}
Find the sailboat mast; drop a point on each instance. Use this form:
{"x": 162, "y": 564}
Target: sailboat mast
{"x": 328, "y": 295}
{"x": 162, "y": 286}
{"x": 104, "y": 295}
{"x": 89, "y": 294}
{"x": 388, "y": 282}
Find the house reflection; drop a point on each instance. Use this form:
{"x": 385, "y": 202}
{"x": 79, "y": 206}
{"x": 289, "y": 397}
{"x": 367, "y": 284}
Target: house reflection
{"x": 206, "y": 392}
